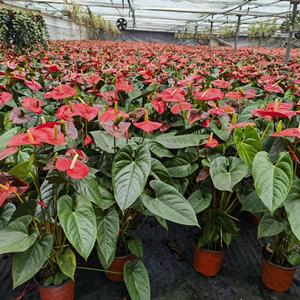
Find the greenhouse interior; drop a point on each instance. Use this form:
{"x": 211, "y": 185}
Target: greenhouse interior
{"x": 150, "y": 149}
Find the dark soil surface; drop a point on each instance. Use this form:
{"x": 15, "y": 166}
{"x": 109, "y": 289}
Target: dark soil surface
{"x": 168, "y": 257}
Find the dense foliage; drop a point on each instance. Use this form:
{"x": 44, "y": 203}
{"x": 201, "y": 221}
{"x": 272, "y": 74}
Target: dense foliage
{"x": 96, "y": 137}
{"x": 22, "y": 30}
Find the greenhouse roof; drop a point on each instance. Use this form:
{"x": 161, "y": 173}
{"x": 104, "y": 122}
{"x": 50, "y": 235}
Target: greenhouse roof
{"x": 172, "y": 15}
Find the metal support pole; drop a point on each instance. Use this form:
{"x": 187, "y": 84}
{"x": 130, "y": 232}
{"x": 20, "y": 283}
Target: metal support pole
{"x": 291, "y": 32}
{"x": 237, "y": 33}
{"x": 196, "y": 31}
{"x": 210, "y": 34}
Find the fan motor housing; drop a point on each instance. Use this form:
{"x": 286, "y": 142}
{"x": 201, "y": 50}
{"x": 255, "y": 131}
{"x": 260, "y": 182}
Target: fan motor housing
{"x": 121, "y": 24}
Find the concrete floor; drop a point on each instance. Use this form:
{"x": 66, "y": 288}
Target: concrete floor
{"x": 168, "y": 258}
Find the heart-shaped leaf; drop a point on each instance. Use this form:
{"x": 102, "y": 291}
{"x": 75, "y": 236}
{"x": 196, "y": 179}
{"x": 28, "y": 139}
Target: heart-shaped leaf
{"x": 130, "y": 174}
{"x": 226, "y": 172}
{"x": 107, "y": 233}
{"x": 292, "y": 207}
{"x": 272, "y": 182}
{"x": 137, "y": 280}
{"x": 199, "y": 200}
{"x": 169, "y": 204}
{"x": 248, "y": 144}
{"x": 269, "y": 226}
{"x": 78, "y": 221}
{"x": 160, "y": 172}
{"x": 26, "y": 264}
{"x": 15, "y": 236}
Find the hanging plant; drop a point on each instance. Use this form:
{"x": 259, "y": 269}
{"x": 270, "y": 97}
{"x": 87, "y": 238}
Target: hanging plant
{"x": 22, "y": 30}
{"x": 227, "y": 32}
{"x": 287, "y": 23}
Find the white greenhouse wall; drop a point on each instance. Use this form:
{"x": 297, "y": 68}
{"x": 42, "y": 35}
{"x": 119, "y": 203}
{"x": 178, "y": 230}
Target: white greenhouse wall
{"x": 61, "y": 29}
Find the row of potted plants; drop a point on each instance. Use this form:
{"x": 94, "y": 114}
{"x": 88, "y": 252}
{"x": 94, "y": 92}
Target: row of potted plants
{"x": 96, "y": 137}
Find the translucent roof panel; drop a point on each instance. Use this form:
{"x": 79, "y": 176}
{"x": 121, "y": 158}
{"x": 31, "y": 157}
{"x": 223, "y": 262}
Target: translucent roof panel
{"x": 172, "y": 15}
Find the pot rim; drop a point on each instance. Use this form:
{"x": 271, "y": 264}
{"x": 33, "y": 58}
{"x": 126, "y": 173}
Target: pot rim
{"x": 211, "y": 251}
{"x": 124, "y": 256}
{"x": 279, "y": 266}
{"x": 52, "y": 286}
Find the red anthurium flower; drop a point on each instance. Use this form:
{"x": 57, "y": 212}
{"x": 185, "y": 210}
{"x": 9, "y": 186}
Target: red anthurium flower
{"x": 290, "y": 132}
{"x": 33, "y": 105}
{"x": 179, "y": 107}
{"x": 124, "y": 87}
{"x": 148, "y": 126}
{"x": 221, "y": 110}
{"x": 273, "y": 88}
{"x": 248, "y": 93}
{"x": 74, "y": 168}
{"x": 112, "y": 114}
{"x": 37, "y": 136}
{"x": 203, "y": 175}
{"x": 85, "y": 111}
{"x": 93, "y": 79}
{"x": 221, "y": 84}
{"x": 234, "y": 96}
{"x": 194, "y": 115}
{"x": 61, "y": 92}
{"x": 116, "y": 129}
{"x": 53, "y": 68}
{"x": 33, "y": 85}
{"x": 209, "y": 95}
{"x": 206, "y": 123}
{"x": 159, "y": 106}
{"x": 66, "y": 112}
{"x": 87, "y": 141}
{"x": 211, "y": 142}
{"x": 275, "y": 110}
{"x": 172, "y": 95}
{"x": 72, "y": 152}
{"x": 5, "y": 191}
{"x": 7, "y": 152}
{"x": 5, "y": 97}
{"x": 41, "y": 204}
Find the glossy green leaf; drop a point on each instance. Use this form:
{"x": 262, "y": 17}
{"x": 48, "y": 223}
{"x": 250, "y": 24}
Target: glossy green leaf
{"x": 180, "y": 141}
{"x": 6, "y": 137}
{"x": 226, "y": 172}
{"x": 199, "y": 200}
{"x": 15, "y": 236}
{"x": 89, "y": 187}
{"x": 160, "y": 172}
{"x": 272, "y": 182}
{"x": 137, "y": 280}
{"x": 248, "y": 144}
{"x": 78, "y": 221}
{"x": 26, "y": 264}
{"x": 135, "y": 245}
{"x": 129, "y": 174}
{"x": 107, "y": 233}
{"x": 169, "y": 204}
{"x": 160, "y": 151}
{"x": 292, "y": 207}
{"x": 269, "y": 226}
{"x": 67, "y": 263}
{"x": 6, "y": 212}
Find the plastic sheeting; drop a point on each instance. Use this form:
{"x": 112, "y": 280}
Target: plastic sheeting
{"x": 173, "y": 15}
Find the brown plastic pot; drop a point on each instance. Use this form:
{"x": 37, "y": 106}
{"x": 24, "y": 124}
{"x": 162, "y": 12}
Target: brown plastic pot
{"x": 275, "y": 277}
{"x": 66, "y": 291}
{"x": 117, "y": 267}
{"x": 208, "y": 262}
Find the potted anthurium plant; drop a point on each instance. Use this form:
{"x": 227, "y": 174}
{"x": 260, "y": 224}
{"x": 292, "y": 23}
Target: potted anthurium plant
{"x": 277, "y": 187}
{"x": 45, "y": 225}
{"x": 217, "y": 205}
{"x": 134, "y": 185}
